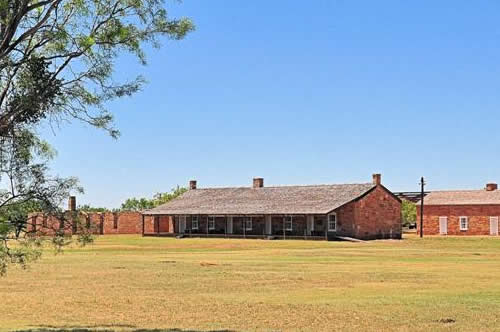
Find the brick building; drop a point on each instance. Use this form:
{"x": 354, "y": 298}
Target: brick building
{"x": 363, "y": 211}
{"x": 126, "y": 222}
{"x": 461, "y": 212}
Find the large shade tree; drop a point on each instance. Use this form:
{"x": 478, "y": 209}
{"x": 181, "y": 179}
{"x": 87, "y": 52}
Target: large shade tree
{"x": 140, "y": 204}
{"x": 56, "y": 65}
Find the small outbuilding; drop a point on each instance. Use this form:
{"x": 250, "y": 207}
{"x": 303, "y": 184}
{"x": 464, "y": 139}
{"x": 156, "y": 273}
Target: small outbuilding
{"x": 361, "y": 211}
{"x": 461, "y": 212}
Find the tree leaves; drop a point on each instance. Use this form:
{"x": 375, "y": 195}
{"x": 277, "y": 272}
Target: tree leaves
{"x": 140, "y": 204}
{"x": 57, "y": 62}
{"x": 79, "y": 41}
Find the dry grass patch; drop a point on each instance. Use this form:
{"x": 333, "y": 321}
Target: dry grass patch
{"x": 130, "y": 282}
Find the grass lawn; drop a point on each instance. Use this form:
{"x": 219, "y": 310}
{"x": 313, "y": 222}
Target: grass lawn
{"x": 130, "y": 282}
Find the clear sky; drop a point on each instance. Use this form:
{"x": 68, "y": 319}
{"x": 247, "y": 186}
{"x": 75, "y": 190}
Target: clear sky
{"x": 304, "y": 92}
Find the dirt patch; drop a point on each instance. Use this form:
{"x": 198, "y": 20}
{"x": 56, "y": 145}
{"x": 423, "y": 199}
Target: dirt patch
{"x": 208, "y": 264}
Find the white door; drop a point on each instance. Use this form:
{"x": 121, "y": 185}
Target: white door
{"x": 493, "y": 225}
{"x": 229, "y": 225}
{"x": 443, "y": 225}
{"x": 182, "y": 224}
{"x": 269, "y": 229}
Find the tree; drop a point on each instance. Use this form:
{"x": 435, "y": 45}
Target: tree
{"x": 408, "y": 212}
{"x": 137, "y": 204}
{"x": 57, "y": 56}
{"x": 140, "y": 204}
{"x": 88, "y": 208}
{"x": 56, "y": 65}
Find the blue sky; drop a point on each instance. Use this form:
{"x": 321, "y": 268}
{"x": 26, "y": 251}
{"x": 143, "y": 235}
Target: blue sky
{"x": 303, "y": 92}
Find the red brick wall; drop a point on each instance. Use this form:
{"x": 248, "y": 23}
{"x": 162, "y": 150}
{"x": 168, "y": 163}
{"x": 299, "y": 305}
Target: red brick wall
{"x": 478, "y": 215}
{"x": 377, "y": 215}
{"x": 345, "y": 219}
{"x": 149, "y": 224}
{"x": 127, "y": 222}
{"x": 165, "y": 224}
{"x": 101, "y": 223}
{"x": 45, "y": 225}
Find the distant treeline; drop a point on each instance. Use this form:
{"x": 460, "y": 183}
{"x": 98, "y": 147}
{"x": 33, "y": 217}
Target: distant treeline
{"x": 139, "y": 204}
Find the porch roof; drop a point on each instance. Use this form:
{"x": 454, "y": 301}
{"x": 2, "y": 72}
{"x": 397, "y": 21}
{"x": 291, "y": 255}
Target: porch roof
{"x": 316, "y": 199}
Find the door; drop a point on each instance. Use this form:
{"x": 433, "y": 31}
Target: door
{"x": 230, "y": 225}
{"x": 493, "y": 225}
{"x": 269, "y": 230}
{"x": 182, "y": 224}
{"x": 443, "y": 225}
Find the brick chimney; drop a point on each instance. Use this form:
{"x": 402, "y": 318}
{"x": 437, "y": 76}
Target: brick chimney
{"x": 377, "y": 179}
{"x": 72, "y": 203}
{"x": 491, "y": 187}
{"x": 192, "y": 184}
{"x": 258, "y": 182}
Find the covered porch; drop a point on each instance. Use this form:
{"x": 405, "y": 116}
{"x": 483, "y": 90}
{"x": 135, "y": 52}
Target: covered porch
{"x": 252, "y": 226}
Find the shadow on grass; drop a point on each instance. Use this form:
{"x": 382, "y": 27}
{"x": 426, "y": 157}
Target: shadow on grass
{"x": 107, "y": 328}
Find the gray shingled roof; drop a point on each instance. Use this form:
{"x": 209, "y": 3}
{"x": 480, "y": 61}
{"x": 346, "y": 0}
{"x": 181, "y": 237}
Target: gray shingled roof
{"x": 319, "y": 199}
{"x": 462, "y": 197}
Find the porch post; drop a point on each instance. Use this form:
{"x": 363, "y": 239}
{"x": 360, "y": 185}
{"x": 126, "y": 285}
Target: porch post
{"x": 307, "y": 223}
{"x": 142, "y": 224}
{"x": 245, "y": 227}
{"x": 326, "y": 227}
{"x": 284, "y": 231}
{"x": 268, "y": 220}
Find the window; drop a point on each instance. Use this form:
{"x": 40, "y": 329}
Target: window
{"x": 288, "y": 223}
{"x": 464, "y": 223}
{"x": 248, "y": 223}
{"x": 332, "y": 222}
{"x": 211, "y": 222}
{"x": 194, "y": 222}
{"x": 44, "y": 222}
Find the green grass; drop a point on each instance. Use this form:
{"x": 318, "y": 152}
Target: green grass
{"x": 130, "y": 282}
